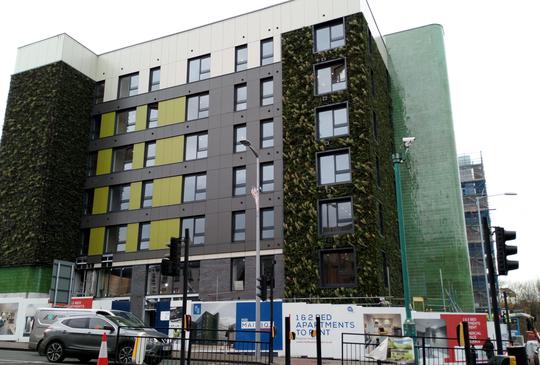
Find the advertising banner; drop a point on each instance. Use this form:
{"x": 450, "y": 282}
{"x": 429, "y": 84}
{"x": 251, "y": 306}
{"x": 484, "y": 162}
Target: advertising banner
{"x": 335, "y": 320}
{"x": 81, "y": 302}
{"x": 236, "y": 321}
{"x": 477, "y": 329}
{"x": 8, "y": 318}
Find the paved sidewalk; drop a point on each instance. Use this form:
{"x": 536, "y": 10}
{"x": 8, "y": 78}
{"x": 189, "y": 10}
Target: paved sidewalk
{"x": 12, "y": 345}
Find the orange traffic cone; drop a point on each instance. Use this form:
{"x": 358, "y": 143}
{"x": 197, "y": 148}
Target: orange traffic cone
{"x": 103, "y": 358}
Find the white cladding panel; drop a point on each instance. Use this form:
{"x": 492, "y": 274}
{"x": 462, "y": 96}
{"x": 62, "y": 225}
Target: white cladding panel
{"x": 172, "y": 52}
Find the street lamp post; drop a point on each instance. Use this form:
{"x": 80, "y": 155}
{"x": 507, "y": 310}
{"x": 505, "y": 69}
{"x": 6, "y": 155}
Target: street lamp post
{"x": 255, "y": 193}
{"x": 409, "y": 327}
{"x": 478, "y": 214}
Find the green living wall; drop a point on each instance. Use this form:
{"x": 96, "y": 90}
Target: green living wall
{"x": 301, "y": 191}
{"x": 42, "y": 165}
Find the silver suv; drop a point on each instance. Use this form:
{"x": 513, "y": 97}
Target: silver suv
{"x": 80, "y": 337}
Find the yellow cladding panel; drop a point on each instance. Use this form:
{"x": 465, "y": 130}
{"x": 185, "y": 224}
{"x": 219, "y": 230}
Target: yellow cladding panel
{"x": 162, "y": 231}
{"x": 104, "y": 159}
{"x": 132, "y": 237}
{"x": 140, "y": 117}
{"x": 172, "y": 111}
{"x": 97, "y": 238}
{"x": 107, "y": 124}
{"x": 101, "y": 199}
{"x": 167, "y": 191}
{"x": 138, "y": 156}
{"x": 135, "y": 195}
{"x": 169, "y": 150}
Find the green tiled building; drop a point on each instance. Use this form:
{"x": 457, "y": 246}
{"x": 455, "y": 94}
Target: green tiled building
{"x": 433, "y": 209}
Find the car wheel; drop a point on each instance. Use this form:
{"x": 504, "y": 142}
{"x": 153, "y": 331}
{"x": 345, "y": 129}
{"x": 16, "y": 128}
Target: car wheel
{"x": 55, "y": 352}
{"x": 125, "y": 352}
{"x": 84, "y": 359}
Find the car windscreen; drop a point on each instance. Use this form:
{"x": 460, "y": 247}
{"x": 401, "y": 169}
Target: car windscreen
{"x": 129, "y": 316}
{"x": 125, "y": 321}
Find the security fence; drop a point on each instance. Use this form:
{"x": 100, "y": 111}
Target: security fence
{"x": 359, "y": 349}
{"x": 201, "y": 346}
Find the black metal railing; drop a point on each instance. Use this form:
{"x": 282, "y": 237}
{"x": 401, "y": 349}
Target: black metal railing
{"x": 357, "y": 347}
{"x": 202, "y": 346}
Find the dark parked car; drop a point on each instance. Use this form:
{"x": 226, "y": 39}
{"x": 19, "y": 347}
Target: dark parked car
{"x": 80, "y": 337}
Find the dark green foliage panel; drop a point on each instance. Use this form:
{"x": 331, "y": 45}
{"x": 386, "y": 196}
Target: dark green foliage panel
{"x": 302, "y": 242}
{"x": 25, "y": 279}
{"x": 42, "y": 164}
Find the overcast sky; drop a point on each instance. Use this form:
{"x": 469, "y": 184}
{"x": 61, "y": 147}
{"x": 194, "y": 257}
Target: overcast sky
{"x": 492, "y": 50}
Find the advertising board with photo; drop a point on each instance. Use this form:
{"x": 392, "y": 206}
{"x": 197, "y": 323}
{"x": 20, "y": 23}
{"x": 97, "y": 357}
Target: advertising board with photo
{"x": 8, "y": 318}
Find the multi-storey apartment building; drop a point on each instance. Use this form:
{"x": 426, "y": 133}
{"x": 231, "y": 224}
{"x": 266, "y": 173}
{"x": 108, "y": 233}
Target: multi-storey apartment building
{"x": 307, "y": 83}
{"x": 475, "y": 203}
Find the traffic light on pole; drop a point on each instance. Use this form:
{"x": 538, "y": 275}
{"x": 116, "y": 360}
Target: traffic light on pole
{"x": 262, "y": 287}
{"x": 170, "y": 266}
{"x": 503, "y": 250}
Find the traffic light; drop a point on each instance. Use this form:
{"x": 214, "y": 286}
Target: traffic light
{"x": 503, "y": 250}
{"x": 170, "y": 266}
{"x": 262, "y": 287}
{"x": 187, "y": 322}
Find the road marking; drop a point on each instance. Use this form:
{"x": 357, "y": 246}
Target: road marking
{"x": 22, "y": 362}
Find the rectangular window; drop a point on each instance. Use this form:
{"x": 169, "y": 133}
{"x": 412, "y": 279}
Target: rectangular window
{"x": 123, "y": 159}
{"x": 91, "y": 164}
{"x": 161, "y": 284}
{"x": 267, "y": 51}
{"x": 199, "y": 68}
{"x": 267, "y": 133}
{"x": 195, "y": 227}
{"x": 239, "y": 135}
{"x": 125, "y": 121}
{"x": 372, "y": 79}
{"x": 380, "y": 218}
{"x": 333, "y": 121}
{"x": 239, "y": 226}
{"x": 99, "y": 92}
{"x": 119, "y": 198}
{"x": 238, "y": 273}
{"x": 267, "y": 224}
{"x": 95, "y": 127}
{"x": 194, "y": 187}
{"x": 150, "y": 154}
{"x": 147, "y": 194}
{"x": 329, "y": 35}
{"x": 115, "y": 239}
{"x": 128, "y": 85}
{"x": 85, "y": 242}
{"x": 334, "y": 167}
{"x": 240, "y": 97}
{"x": 155, "y": 77}
{"x": 267, "y": 177}
{"x": 267, "y": 91}
{"x": 197, "y": 106}
{"x": 152, "y": 116}
{"x": 241, "y": 56}
{"x": 338, "y": 268}
{"x": 267, "y": 266}
{"x": 375, "y": 125}
{"x": 331, "y": 77}
{"x": 335, "y": 217}
{"x": 239, "y": 181}
{"x": 196, "y": 146}
{"x": 144, "y": 236}
{"x": 88, "y": 201}
{"x": 114, "y": 282}
{"x": 378, "y": 171}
